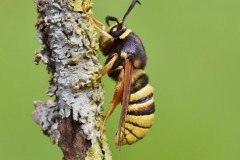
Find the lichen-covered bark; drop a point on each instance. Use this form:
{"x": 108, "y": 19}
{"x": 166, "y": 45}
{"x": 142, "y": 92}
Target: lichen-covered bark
{"x": 72, "y": 117}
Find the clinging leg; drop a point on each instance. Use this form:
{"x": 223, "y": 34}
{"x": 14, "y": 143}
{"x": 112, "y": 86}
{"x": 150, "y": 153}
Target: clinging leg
{"x": 108, "y": 66}
{"x": 117, "y": 97}
{"x": 103, "y": 33}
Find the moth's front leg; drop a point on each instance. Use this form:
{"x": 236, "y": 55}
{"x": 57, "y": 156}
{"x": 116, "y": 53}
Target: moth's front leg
{"x": 103, "y": 42}
{"x": 117, "y": 97}
{"x": 108, "y": 66}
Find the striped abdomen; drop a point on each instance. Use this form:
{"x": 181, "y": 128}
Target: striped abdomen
{"x": 141, "y": 108}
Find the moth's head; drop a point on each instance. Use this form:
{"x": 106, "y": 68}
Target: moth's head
{"x": 119, "y": 28}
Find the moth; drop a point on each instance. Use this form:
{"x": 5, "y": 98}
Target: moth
{"x": 125, "y": 63}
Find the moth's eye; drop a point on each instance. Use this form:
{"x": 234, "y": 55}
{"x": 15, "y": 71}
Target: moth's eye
{"x": 114, "y": 29}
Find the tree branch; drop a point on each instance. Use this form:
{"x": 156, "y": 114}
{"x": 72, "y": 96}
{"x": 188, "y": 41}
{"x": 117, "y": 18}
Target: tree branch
{"x": 73, "y": 118}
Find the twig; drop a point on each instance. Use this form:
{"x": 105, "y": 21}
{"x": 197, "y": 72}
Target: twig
{"x": 73, "y": 118}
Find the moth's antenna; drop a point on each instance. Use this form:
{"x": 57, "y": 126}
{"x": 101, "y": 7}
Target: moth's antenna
{"x": 130, "y": 8}
{"x": 110, "y": 18}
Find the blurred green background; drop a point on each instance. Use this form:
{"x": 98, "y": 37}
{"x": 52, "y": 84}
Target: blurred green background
{"x": 193, "y": 63}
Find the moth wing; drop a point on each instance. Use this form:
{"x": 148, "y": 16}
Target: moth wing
{"x": 125, "y": 99}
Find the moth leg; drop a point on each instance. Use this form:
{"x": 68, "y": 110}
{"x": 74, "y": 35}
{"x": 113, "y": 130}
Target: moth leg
{"x": 103, "y": 43}
{"x": 117, "y": 97}
{"x": 108, "y": 66}
{"x": 103, "y": 34}
{"x": 102, "y": 30}
{"x": 97, "y": 22}
{"x": 119, "y": 68}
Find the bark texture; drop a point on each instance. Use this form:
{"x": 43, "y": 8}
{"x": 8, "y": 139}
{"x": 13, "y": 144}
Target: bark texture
{"x": 72, "y": 117}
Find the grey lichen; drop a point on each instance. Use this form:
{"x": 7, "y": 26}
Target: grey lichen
{"x": 69, "y": 50}
{"x": 44, "y": 115}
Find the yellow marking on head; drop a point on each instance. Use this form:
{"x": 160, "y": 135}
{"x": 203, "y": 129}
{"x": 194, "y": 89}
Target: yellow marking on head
{"x": 144, "y": 121}
{"x": 141, "y": 93}
{"x": 125, "y": 34}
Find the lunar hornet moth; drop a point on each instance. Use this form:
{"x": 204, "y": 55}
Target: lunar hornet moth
{"x": 125, "y": 63}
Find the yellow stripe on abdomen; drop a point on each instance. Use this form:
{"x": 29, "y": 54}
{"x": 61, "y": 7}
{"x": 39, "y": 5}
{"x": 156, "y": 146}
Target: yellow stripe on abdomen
{"x": 141, "y": 108}
{"x": 141, "y": 93}
{"x": 142, "y": 121}
{"x": 139, "y": 132}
